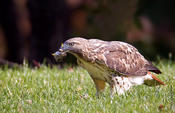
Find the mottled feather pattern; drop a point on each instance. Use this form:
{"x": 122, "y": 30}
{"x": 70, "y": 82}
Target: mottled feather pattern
{"x": 120, "y": 56}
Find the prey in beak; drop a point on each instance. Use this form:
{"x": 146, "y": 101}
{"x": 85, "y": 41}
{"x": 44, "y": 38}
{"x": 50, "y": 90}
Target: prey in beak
{"x": 60, "y": 54}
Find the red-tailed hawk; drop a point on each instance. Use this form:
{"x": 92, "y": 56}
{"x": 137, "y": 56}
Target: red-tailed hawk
{"x": 117, "y": 63}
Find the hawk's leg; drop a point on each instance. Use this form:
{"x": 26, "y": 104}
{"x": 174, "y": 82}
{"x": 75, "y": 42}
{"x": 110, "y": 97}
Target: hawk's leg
{"x": 115, "y": 88}
{"x": 100, "y": 85}
{"x": 120, "y": 85}
{"x": 112, "y": 89}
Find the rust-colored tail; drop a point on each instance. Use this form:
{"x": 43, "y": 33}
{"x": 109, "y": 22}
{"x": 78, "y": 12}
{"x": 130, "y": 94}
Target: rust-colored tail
{"x": 155, "y": 80}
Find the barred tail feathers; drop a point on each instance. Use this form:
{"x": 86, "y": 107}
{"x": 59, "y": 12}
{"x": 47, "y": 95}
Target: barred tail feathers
{"x": 152, "y": 80}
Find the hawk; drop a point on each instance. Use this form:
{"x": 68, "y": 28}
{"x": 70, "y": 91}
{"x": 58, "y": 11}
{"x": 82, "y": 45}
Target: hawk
{"x": 114, "y": 62}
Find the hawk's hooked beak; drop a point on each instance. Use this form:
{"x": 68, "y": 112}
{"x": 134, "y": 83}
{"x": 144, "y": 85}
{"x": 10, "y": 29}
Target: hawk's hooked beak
{"x": 61, "y": 52}
{"x": 64, "y": 48}
{"x": 55, "y": 54}
{"x": 59, "y": 55}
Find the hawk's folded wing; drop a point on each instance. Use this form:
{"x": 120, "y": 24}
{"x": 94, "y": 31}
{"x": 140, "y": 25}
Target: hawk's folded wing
{"x": 126, "y": 60}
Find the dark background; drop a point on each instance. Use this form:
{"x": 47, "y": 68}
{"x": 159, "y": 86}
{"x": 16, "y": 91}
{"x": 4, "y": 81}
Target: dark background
{"x": 33, "y": 29}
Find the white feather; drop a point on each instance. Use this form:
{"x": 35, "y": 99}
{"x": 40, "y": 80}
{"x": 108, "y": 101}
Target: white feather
{"x": 138, "y": 80}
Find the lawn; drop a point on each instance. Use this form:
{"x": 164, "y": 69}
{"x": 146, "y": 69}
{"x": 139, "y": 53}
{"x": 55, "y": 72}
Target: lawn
{"x": 47, "y": 89}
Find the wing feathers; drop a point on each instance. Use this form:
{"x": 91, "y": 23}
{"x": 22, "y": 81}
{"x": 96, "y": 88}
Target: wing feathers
{"x": 152, "y": 68}
{"x": 123, "y": 58}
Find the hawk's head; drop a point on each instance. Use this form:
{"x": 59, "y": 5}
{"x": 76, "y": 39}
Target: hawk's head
{"x": 73, "y": 45}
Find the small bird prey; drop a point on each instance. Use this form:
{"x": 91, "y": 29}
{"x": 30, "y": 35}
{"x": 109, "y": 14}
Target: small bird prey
{"x": 115, "y": 62}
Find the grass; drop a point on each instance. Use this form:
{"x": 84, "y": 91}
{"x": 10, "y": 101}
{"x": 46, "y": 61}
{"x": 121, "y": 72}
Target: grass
{"x": 71, "y": 90}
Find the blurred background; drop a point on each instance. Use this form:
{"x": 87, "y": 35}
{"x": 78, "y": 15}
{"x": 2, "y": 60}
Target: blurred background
{"x": 33, "y": 29}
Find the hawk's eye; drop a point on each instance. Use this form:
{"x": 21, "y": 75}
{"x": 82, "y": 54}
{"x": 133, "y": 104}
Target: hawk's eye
{"x": 70, "y": 44}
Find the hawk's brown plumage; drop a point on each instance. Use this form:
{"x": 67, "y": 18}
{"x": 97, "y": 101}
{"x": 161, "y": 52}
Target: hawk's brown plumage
{"x": 114, "y": 62}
